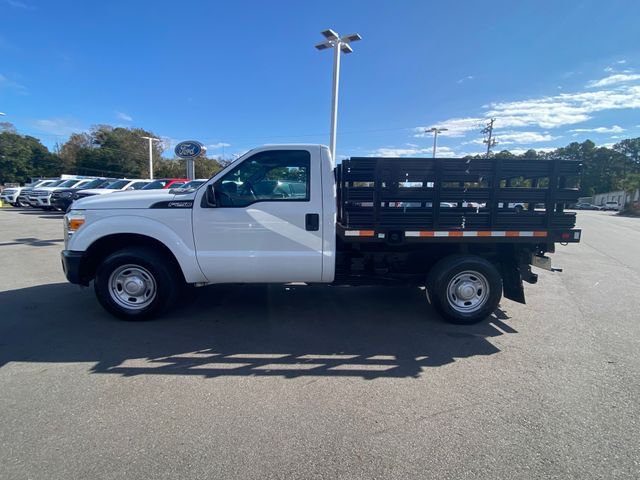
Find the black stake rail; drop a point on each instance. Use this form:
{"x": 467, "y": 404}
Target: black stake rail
{"x": 456, "y": 194}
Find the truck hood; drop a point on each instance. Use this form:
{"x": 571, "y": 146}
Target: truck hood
{"x": 130, "y": 199}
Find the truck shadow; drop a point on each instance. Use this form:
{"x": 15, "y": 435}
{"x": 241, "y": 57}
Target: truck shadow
{"x": 250, "y": 330}
{"x": 33, "y": 242}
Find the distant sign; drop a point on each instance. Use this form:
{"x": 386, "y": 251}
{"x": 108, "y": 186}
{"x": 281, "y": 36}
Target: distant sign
{"x": 189, "y": 149}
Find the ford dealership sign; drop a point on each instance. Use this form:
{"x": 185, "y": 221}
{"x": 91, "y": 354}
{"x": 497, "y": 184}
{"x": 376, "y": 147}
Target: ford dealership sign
{"x": 189, "y": 149}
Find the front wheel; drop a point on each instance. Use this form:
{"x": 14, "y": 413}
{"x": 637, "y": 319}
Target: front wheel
{"x": 136, "y": 283}
{"x": 464, "y": 289}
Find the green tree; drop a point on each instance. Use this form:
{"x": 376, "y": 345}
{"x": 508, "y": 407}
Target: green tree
{"x": 106, "y": 150}
{"x": 630, "y": 148}
{"x": 23, "y": 157}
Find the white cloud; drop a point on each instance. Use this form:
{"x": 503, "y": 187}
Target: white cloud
{"x": 215, "y": 146}
{"x": 613, "y": 129}
{"x": 516, "y": 121}
{"x": 441, "y": 151}
{"x": 613, "y": 79}
{"x": 456, "y": 127}
{"x": 18, "y": 4}
{"x": 621, "y": 62}
{"x": 520, "y": 151}
{"x": 507, "y": 138}
{"x": 464, "y": 79}
{"x": 563, "y": 109}
{"x": 56, "y": 126}
{"x": 124, "y": 116}
{"x": 6, "y": 82}
{"x": 399, "y": 152}
{"x": 515, "y": 137}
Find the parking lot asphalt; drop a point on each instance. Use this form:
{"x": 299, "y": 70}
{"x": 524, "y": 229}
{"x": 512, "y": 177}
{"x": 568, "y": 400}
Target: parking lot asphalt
{"x": 257, "y": 382}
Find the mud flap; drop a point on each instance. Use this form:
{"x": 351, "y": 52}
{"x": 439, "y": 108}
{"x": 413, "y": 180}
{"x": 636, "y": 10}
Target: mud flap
{"x": 512, "y": 281}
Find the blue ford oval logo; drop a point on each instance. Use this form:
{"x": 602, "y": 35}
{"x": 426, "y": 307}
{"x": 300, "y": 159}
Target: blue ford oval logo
{"x": 189, "y": 149}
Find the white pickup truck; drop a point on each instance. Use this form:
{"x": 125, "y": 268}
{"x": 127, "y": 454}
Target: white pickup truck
{"x": 283, "y": 214}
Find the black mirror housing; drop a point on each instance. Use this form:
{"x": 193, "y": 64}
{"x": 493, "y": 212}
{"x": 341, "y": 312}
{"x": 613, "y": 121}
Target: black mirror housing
{"x": 210, "y": 195}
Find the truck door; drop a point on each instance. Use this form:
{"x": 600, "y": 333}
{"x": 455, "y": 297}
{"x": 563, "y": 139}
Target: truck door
{"x": 266, "y": 225}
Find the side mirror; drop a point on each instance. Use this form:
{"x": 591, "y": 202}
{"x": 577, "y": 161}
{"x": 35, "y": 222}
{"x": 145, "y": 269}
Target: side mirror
{"x": 210, "y": 195}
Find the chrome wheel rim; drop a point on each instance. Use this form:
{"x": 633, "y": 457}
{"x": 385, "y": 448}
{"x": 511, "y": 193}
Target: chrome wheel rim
{"x": 132, "y": 287}
{"x": 468, "y": 291}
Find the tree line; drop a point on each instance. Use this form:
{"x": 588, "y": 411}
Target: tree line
{"x": 103, "y": 151}
{"x": 122, "y": 152}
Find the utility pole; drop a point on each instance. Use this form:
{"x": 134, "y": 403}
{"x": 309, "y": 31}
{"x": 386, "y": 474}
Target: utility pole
{"x": 339, "y": 44}
{"x": 435, "y": 131}
{"x": 151, "y": 140}
{"x": 490, "y": 141}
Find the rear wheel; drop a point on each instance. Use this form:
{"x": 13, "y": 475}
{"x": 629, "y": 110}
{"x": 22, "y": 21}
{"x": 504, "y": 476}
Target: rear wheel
{"x": 464, "y": 289}
{"x": 136, "y": 283}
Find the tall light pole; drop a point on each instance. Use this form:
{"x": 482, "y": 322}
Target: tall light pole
{"x": 151, "y": 140}
{"x": 339, "y": 44}
{"x": 435, "y": 131}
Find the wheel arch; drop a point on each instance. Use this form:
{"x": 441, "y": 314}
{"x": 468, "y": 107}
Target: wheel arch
{"x": 105, "y": 246}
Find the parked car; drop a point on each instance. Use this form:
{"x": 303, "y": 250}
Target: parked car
{"x": 163, "y": 183}
{"x": 23, "y": 198}
{"x": 612, "y": 205}
{"x": 121, "y": 184}
{"x": 10, "y": 195}
{"x": 63, "y": 197}
{"x": 41, "y": 196}
{"x": 587, "y": 206}
{"x": 30, "y": 195}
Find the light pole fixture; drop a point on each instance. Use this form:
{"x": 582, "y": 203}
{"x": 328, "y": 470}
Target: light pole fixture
{"x": 151, "y": 140}
{"x": 339, "y": 44}
{"x": 435, "y": 131}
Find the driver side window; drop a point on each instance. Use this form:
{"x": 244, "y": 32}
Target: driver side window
{"x": 270, "y": 176}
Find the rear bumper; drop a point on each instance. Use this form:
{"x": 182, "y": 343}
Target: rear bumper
{"x": 72, "y": 262}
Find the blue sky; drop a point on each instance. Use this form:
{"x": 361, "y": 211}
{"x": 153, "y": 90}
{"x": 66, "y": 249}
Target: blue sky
{"x": 239, "y": 74}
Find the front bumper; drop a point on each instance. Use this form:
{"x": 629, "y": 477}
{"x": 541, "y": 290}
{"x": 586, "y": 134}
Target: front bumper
{"x": 72, "y": 263}
{"x": 43, "y": 202}
{"x": 9, "y": 198}
{"x": 61, "y": 203}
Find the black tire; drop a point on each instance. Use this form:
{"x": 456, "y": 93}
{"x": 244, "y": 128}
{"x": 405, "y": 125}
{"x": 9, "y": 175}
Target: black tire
{"x": 453, "y": 267}
{"x": 165, "y": 278}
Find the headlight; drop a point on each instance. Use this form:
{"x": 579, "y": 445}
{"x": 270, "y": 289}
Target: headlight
{"x": 73, "y": 220}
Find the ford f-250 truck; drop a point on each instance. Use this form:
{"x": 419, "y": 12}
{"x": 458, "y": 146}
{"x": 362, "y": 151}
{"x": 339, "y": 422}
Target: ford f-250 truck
{"x": 283, "y": 214}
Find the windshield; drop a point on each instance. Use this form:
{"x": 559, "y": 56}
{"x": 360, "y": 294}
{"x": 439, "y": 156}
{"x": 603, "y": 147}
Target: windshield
{"x": 192, "y": 184}
{"x": 69, "y": 183}
{"x": 54, "y": 183}
{"x": 156, "y": 185}
{"x": 93, "y": 183}
{"x": 118, "y": 184}
{"x": 46, "y": 183}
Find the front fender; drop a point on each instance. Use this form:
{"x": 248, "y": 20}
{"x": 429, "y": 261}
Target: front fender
{"x": 178, "y": 238}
